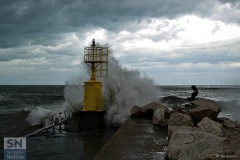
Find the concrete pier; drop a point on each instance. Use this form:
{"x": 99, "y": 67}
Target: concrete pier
{"x": 137, "y": 139}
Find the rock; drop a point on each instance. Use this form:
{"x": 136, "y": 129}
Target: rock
{"x": 171, "y": 129}
{"x": 229, "y": 149}
{"x": 180, "y": 119}
{"x": 187, "y": 145}
{"x": 211, "y": 126}
{"x": 149, "y": 108}
{"x": 205, "y": 108}
{"x": 137, "y": 111}
{"x": 152, "y": 106}
{"x": 160, "y": 117}
{"x": 227, "y": 123}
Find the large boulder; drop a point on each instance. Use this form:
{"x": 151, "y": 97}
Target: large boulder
{"x": 186, "y": 144}
{"x": 146, "y": 110}
{"x": 205, "y": 108}
{"x": 137, "y": 111}
{"x": 211, "y": 126}
{"x": 180, "y": 119}
{"x": 227, "y": 123}
{"x": 150, "y": 107}
{"x": 161, "y": 117}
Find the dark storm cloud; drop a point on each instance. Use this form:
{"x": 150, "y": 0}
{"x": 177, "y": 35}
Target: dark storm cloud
{"x": 39, "y": 21}
{"x": 29, "y": 21}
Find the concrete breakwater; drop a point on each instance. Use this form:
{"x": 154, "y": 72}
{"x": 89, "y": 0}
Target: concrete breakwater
{"x": 138, "y": 139}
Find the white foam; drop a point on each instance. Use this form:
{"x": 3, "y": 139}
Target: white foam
{"x": 38, "y": 116}
{"x": 126, "y": 88}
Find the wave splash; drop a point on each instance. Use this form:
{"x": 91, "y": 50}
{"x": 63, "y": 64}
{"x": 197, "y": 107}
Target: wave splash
{"x": 38, "y": 116}
{"x": 121, "y": 89}
{"x": 124, "y": 88}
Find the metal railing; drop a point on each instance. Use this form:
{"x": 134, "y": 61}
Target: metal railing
{"x": 55, "y": 120}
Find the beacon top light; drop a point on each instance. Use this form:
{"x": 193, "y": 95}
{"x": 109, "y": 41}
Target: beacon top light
{"x": 97, "y": 59}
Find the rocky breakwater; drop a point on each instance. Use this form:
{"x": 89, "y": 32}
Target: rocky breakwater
{"x": 196, "y": 132}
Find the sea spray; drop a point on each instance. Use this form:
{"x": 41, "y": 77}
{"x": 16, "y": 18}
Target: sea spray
{"x": 124, "y": 88}
{"x": 121, "y": 89}
{"x": 38, "y": 116}
{"x": 73, "y": 94}
{"x": 73, "y": 90}
{"x": 42, "y": 113}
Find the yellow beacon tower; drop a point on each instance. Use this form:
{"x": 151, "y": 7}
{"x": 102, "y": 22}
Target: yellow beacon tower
{"x": 97, "y": 59}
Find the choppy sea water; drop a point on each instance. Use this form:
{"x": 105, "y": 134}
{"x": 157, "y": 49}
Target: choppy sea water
{"x": 16, "y": 102}
{"x": 219, "y": 93}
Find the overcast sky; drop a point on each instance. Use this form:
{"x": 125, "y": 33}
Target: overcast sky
{"x": 171, "y": 41}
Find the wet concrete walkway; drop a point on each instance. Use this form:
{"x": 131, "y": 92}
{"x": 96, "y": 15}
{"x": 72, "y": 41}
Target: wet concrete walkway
{"x": 137, "y": 139}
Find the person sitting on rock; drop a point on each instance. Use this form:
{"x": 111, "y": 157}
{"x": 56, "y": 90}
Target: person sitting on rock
{"x": 194, "y": 93}
{"x": 184, "y": 104}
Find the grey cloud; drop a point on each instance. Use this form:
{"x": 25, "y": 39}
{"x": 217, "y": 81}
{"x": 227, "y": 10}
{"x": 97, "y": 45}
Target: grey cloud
{"x": 42, "y": 20}
{"x": 230, "y": 1}
{"x": 217, "y": 52}
{"x": 228, "y": 12}
{"x": 217, "y": 28}
{"x": 39, "y": 51}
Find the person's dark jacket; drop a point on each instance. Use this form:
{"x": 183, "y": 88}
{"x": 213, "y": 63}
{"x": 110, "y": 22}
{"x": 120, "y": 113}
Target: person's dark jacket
{"x": 194, "y": 93}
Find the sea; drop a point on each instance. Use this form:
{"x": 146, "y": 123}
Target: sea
{"x": 22, "y": 107}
